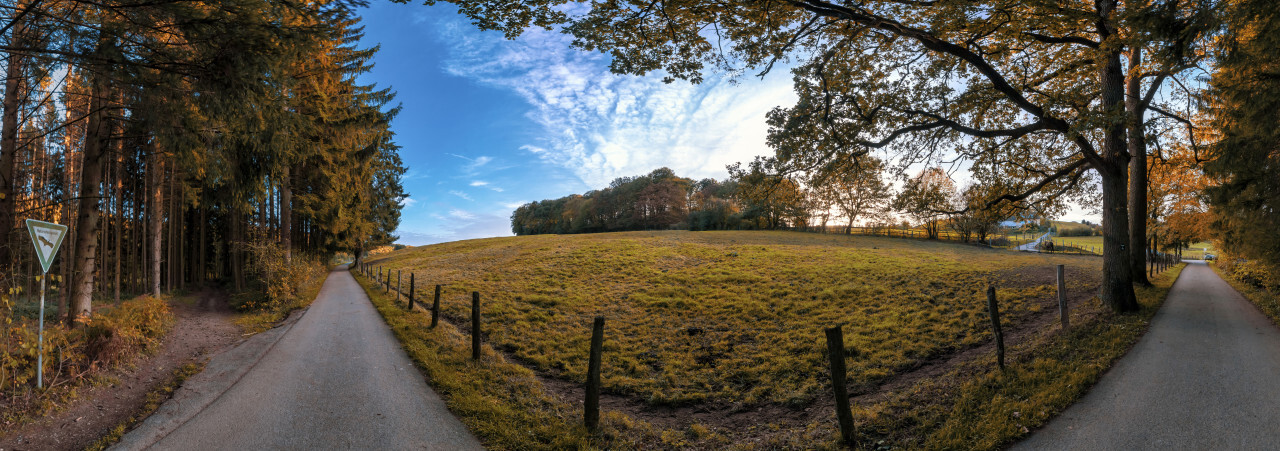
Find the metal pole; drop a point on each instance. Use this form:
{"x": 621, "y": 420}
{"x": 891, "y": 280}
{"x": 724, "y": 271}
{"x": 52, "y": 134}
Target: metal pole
{"x": 40, "y": 345}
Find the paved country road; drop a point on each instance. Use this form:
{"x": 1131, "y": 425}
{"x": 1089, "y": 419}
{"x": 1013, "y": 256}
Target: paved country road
{"x": 335, "y": 379}
{"x": 1205, "y": 376}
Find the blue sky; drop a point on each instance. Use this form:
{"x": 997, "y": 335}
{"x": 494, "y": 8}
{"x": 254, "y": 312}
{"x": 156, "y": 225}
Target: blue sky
{"x": 489, "y": 124}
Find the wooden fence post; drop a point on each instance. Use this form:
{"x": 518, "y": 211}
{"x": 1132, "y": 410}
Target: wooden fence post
{"x": 435, "y": 308}
{"x": 994, "y": 309}
{"x": 475, "y": 325}
{"x": 387, "y": 282}
{"x": 591, "y": 409}
{"x": 399, "y": 283}
{"x": 835, "y": 353}
{"x": 1062, "y": 298}
{"x": 411, "y": 291}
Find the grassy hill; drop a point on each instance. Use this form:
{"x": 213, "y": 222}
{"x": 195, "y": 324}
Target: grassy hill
{"x": 733, "y": 321}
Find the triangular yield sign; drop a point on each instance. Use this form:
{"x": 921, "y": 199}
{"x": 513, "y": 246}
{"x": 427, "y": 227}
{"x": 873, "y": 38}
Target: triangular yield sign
{"x": 47, "y": 238}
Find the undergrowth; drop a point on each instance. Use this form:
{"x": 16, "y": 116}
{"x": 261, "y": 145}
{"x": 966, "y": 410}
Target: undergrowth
{"x": 276, "y": 287}
{"x": 73, "y": 356}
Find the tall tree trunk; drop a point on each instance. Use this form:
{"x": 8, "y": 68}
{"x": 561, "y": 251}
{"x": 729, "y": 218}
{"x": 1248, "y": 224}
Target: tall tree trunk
{"x": 1137, "y": 168}
{"x": 201, "y": 264}
{"x": 171, "y": 219}
{"x": 1117, "y": 279}
{"x": 286, "y": 216}
{"x": 238, "y": 224}
{"x": 86, "y": 242}
{"x": 118, "y": 148}
{"x": 13, "y": 94}
{"x": 155, "y": 213}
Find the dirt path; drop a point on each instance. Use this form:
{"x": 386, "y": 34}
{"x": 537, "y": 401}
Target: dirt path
{"x": 1203, "y": 377}
{"x": 201, "y": 330}
{"x": 335, "y": 378}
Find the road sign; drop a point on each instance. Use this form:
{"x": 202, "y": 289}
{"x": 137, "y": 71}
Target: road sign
{"x": 47, "y": 238}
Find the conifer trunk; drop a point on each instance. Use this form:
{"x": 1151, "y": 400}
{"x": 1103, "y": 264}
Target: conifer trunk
{"x": 86, "y": 241}
{"x": 286, "y": 216}
{"x": 155, "y": 168}
{"x": 13, "y": 85}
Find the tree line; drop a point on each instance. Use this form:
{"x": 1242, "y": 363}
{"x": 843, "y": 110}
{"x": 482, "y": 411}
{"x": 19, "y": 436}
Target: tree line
{"x": 184, "y": 143}
{"x": 757, "y": 197}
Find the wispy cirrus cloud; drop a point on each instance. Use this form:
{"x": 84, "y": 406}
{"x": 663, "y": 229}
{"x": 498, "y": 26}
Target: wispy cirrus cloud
{"x": 461, "y": 194}
{"x": 600, "y": 125}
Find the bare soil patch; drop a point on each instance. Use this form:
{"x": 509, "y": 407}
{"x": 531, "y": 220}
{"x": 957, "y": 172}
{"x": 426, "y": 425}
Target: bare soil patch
{"x": 203, "y": 328}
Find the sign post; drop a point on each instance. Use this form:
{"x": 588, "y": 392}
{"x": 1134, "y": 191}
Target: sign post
{"x": 47, "y": 238}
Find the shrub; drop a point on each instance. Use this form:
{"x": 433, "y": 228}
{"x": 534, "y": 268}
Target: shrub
{"x": 110, "y": 336}
{"x": 274, "y": 283}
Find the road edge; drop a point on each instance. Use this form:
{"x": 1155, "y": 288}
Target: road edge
{"x": 221, "y": 372}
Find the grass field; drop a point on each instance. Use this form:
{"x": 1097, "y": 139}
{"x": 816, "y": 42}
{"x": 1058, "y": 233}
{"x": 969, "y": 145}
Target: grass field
{"x": 731, "y": 322}
{"x": 730, "y": 317}
{"x": 1063, "y": 227}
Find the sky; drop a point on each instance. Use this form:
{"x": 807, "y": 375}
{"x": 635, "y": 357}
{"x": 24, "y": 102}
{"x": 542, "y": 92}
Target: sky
{"x": 489, "y": 124}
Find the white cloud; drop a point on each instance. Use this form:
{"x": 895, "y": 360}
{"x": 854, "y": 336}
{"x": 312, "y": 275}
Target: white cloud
{"x": 462, "y": 214}
{"x": 407, "y": 202}
{"x": 460, "y": 194}
{"x": 600, "y": 125}
{"x": 479, "y": 183}
{"x": 513, "y": 205}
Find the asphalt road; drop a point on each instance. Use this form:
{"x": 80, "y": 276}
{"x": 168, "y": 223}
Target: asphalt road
{"x": 1205, "y": 376}
{"x": 335, "y": 379}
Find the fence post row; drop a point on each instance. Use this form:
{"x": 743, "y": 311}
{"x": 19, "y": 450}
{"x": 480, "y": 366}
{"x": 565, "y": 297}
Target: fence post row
{"x": 994, "y": 309}
{"x": 835, "y": 353}
{"x": 475, "y": 325}
{"x": 1062, "y": 298}
{"x": 411, "y": 291}
{"x": 591, "y": 406}
{"x": 435, "y": 308}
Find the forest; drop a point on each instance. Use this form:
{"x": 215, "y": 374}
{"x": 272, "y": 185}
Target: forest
{"x": 187, "y": 145}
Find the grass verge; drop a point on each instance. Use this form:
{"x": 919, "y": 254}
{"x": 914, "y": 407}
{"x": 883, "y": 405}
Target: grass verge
{"x": 501, "y": 402}
{"x": 1261, "y": 297}
{"x": 993, "y": 408}
{"x": 155, "y": 398}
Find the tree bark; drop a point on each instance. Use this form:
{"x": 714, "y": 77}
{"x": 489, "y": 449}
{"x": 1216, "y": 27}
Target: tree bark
{"x": 13, "y": 93}
{"x": 1117, "y": 277}
{"x": 118, "y": 148}
{"x": 155, "y": 169}
{"x": 1135, "y": 115}
{"x": 86, "y": 242}
{"x": 286, "y": 216}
